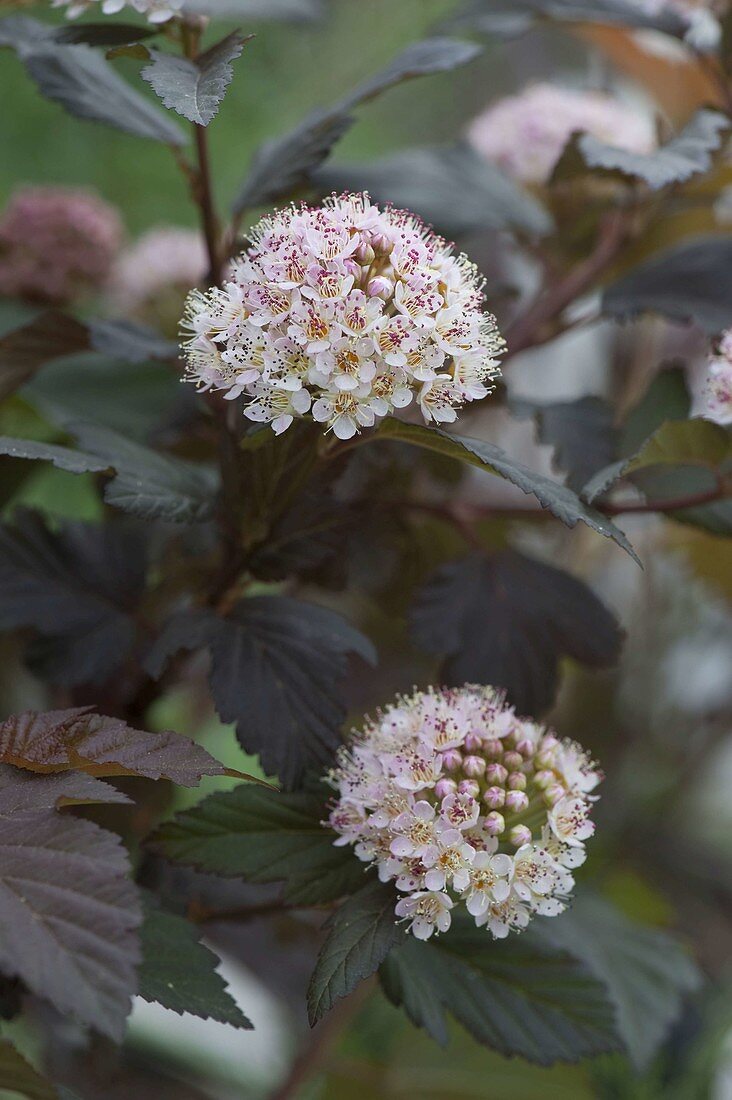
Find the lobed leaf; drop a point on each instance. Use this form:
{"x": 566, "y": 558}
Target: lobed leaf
{"x": 359, "y": 936}
{"x": 507, "y": 18}
{"x": 86, "y": 86}
{"x": 194, "y": 88}
{"x": 22, "y": 794}
{"x": 451, "y": 187}
{"x": 263, "y": 836}
{"x": 582, "y": 433}
{"x": 558, "y": 499}
{"x": 63, "y": 458}
{"x": 281, "y": 166}
{"x": 147, "y": 483}
{"x": 68, "y": 916}
{"x": 77, "y": 587}
{"x": 508, "y": 620}
{"x": 514, "y": 997}
{"x": 178, "y": 972}
{"x": 61, "y": 740}
{"x": 688, "y": 154}
{"x": 691, "y": 281}
{"x": 292, "y": 656}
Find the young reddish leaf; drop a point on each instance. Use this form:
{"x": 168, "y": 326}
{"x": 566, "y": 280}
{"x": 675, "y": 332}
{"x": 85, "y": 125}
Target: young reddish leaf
{"x": 61, "y": 740}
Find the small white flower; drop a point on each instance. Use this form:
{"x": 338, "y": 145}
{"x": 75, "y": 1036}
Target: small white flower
{"x": 488, "y": 881}
{"x": 718, "y": 389}
{"x": 277, "y": 407}
{"x": 569, "y": 821}
{"x": 448, "y": 862}
{"x": 426, "y": 911}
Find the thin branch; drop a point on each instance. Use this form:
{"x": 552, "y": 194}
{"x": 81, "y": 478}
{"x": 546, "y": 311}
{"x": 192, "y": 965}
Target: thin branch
{"x": 314, "y": 1055}
{"x": 529, "y": 329}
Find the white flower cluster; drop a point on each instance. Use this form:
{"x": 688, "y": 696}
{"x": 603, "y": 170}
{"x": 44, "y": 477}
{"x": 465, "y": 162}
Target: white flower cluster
{"x": 455, "y": 798}
{"x": 157, "y": 11}
{"x": 348, "y": 312}
{"x": 525, "y": 134}
{"x": 718, "y": 388}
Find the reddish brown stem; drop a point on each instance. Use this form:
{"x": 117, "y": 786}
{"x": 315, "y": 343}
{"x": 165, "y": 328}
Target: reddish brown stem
{"x": 528, "y": 329}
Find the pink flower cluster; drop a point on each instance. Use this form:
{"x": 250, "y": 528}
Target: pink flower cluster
{"x": 347, "y": 312}
{"x": 56, "y": 244}
{"x": 456, "y": 799}
{"x": 525, "y": 134}
{"x": 718, "y": 388}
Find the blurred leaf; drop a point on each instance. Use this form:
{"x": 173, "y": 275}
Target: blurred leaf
{"x": 581, "y": 432}
{"x": 68, "y": 915}
{"x": 102, "y": 34}
{"x": 292, "y": 656}
{"x": 686, "y": 155}
{"x": 63, "y": 458}
{"x": 667, "y": 398}
{"x": 194, "y": 88}
{"x": 179, "y": 972}
{"x": 558, "y": 499}
{"x": 83, "y": 83}
{"x": 512, "y": 996}
{"x": 290, "y": 11}
{"x": 688, "y": 282}
{"x": 129, "y": 341}
{"x": 646, "y": 972}
{"x": 61, "y": 740}
{"x": 21, "y": 793}
{"x": 131, "y": 398}
{"x": 17, "y": 1075}
{"x": 24, "y": 350}
{"x": 684, "y": 443}
{"x": 359, "y": 936}
{"x": 76, "y": 587}
{"x": 507, "y": 18}
{"x": 452, "y": 187}
{"x": 508, "y": 620}
{"x": 281, "y": 166}
{"x": 264, "y": 836}
{"x": 147, "y": 483}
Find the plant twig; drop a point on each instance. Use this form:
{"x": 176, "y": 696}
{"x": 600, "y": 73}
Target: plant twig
{"x": 528, "y": 329}
{"x": 313, "y": 1055}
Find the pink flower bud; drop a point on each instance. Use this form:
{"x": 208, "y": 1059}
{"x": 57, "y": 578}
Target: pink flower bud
{"x": 444, "y": 787}
{"x": 364, "y": 254}
{"x": 548, "y": 742}
{"x": 496, "y": 773}
{"x": 520, "y": 834}
{"x": 544, "y": 758}
{"x": 451, "y": 760}
{"x": 516, "y": 802}
{"x": 493, "y": 748}
{"x": 513, "y": 760}
{"x": 526, "y": 748}
{"x": 554, "y": 794}
{"x": 473, "y": 743}
{"x": 469, "y": 786}
{"x": 544, "y": 779}
{"x": 352, "y": 267}
{"x": 380, "y": 287}
{"x": 474, "y": 766}
{"x": 494, "y": 797}
{"x": 494, "y": 823}
{"x": 517, "y": 781}
{"x": 381, "y": 244}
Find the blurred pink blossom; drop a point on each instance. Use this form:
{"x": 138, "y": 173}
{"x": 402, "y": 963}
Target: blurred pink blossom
{"x": 56, "y": 244}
